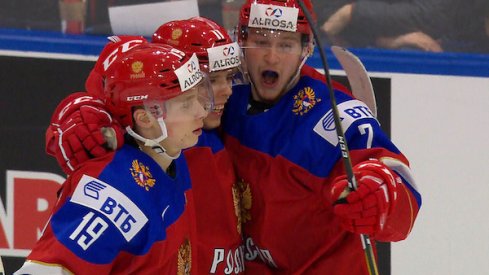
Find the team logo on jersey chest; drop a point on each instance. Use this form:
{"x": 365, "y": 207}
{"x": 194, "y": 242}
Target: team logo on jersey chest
{"x": 304, "y": 100}
{"x": 184, "y": 258}
{"x": 142, "y": 175}
{"x": 242, "y": 195}
{"x": 237, "y": 205}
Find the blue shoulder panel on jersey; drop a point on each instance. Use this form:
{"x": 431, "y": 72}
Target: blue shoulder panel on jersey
{"x": 127, "y": 207}
{"x": 138, "y": 171}
{"x": 300, "y": 127}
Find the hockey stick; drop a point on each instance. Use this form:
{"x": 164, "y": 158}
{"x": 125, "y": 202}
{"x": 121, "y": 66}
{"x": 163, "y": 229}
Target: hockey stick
{"x": 360, "y": 83}
{"x": 2, "y": 270}
{"x": 352, "y": 183}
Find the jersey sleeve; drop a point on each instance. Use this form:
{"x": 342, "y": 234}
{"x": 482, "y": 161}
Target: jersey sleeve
{"x": 366, "y": 140}
{"x": 92, "y": 223}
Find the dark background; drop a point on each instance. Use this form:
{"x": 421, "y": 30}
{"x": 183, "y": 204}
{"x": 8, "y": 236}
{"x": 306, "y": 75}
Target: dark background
{"x": 31, "y": 88}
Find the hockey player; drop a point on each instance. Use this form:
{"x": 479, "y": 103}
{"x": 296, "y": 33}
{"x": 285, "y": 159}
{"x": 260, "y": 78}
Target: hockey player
{"x": 218, "y": 241}
{"x": 215, "y": 189}
{"x": 279, "y": 130}
{"x": 115, "y": 212}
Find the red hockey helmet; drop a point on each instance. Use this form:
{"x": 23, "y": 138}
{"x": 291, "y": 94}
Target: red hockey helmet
{"x": 150, "y": 72}
{"x": 273, "y": 16}
{"x": 116, "y": 46}
{"x": 210, "y": 41}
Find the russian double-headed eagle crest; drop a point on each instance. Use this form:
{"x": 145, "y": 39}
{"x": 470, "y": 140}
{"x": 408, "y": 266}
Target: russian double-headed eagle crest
{"x": 137, "y": 70}
{"x": 242, "y": 202}
{"x": 305, "y": 99}
{"x": 175, "y": 37}
{"x": 142, "y": 175}
{"x": 184, "y": 258}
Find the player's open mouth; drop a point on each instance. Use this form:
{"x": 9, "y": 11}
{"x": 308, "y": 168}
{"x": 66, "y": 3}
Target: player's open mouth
{"x": 269, "y": 78}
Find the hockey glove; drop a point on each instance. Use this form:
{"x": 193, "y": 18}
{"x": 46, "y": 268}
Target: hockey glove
{"x": 365, "y": 210}
{"x": 81, "y": 129}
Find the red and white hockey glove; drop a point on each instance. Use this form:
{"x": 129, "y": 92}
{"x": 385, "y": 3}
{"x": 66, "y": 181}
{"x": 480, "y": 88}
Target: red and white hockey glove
{"x": 81, "y": 129}
{"x": 365, "y": 210}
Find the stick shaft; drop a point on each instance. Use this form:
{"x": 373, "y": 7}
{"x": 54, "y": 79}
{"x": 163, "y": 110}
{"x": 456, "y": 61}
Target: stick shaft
{"x": 367, "y": 246}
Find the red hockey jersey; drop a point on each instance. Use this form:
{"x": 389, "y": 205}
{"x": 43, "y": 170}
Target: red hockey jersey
{"x": 287, "y": 158}
{"x": 218, "y": 240}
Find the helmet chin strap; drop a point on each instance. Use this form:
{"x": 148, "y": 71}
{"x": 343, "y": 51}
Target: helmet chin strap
{"x": 291, "y": 83}
{"x": 154, "y": 143}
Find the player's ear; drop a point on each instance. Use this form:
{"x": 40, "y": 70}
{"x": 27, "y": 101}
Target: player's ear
{"x": 308, "y": 50}
{"x": 142, "y": 118}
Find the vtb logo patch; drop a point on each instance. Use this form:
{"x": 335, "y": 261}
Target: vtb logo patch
{"x": 92, "y": 189}
{"x": 103, "y": 198}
